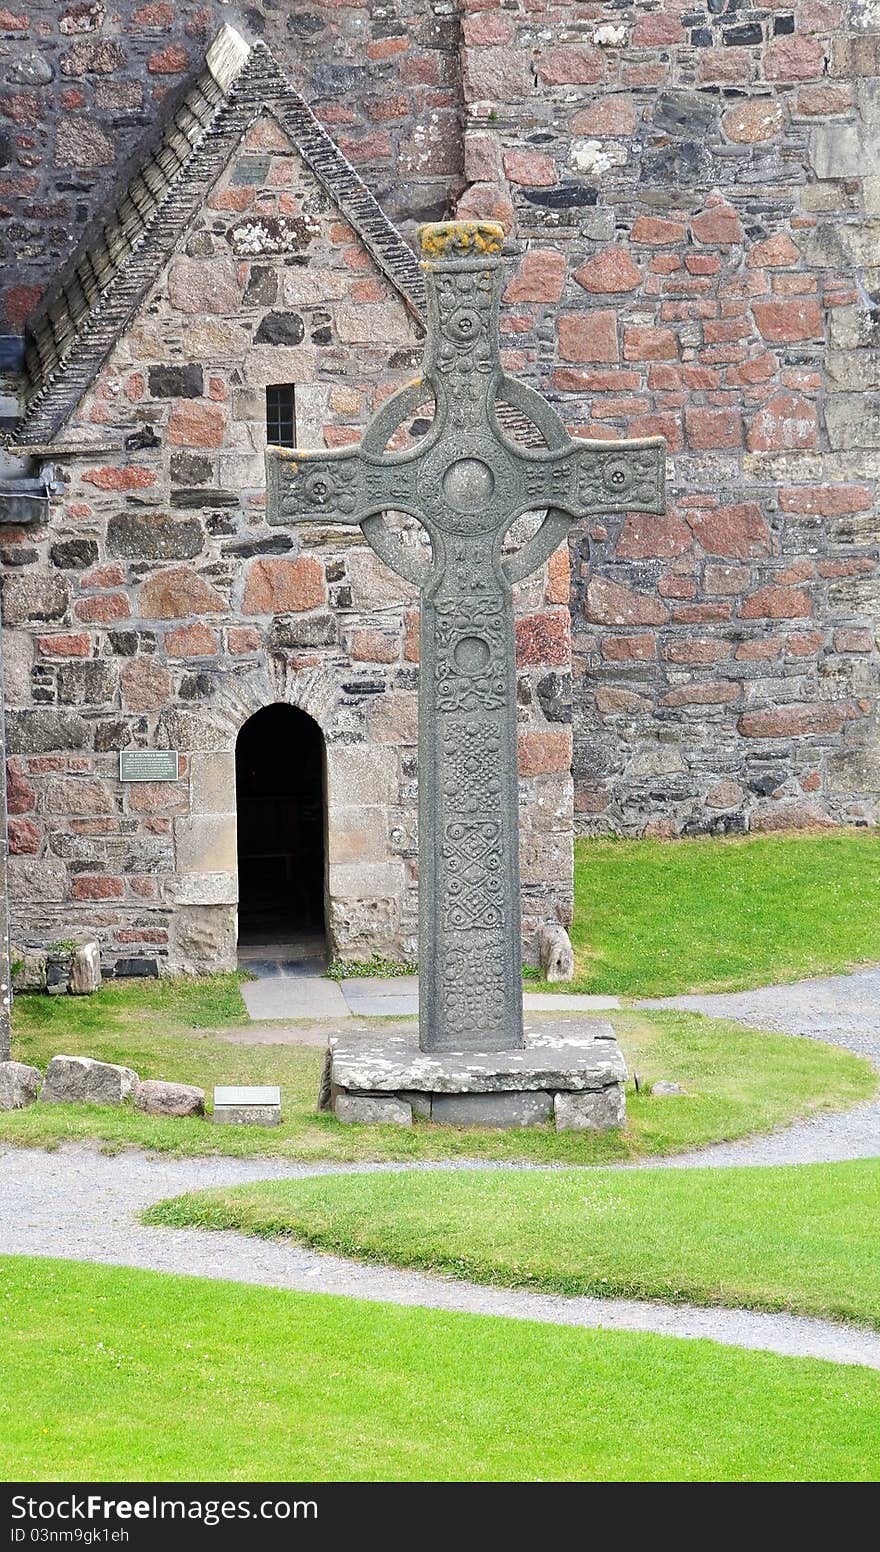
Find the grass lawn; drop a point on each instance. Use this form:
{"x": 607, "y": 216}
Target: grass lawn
{"x": 738, "y": 1082}
{"x": 654, "y": 918}
{"x": 800, "y": 1238}
{"x": 119, "y": 1375}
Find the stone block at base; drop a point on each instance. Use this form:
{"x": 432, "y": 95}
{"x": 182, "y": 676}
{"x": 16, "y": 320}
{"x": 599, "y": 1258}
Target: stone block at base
{"x": 514, "y": 1109}
{"x": 598, "y": 1112}
{"x": 574, "y": 1073}
{"x": 361, "y": 1109}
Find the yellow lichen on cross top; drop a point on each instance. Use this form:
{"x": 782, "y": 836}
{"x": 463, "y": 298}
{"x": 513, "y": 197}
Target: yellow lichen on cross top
{"x": 460, "y": 239}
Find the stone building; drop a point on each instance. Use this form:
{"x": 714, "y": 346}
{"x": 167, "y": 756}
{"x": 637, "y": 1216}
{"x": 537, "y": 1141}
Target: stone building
{"x": 245, "y": 284}
{"x": 691, "y": 196}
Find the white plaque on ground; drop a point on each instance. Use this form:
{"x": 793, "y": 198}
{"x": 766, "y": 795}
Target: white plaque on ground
{"x": 237, "y": 1095}
{"x": 243, "y": 1105}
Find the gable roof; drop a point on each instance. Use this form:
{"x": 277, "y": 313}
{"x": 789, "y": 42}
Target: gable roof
{"x": 121, "y": 255}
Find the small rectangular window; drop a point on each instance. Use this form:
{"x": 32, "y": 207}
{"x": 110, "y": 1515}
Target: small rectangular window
{"x": 281, "y": 415}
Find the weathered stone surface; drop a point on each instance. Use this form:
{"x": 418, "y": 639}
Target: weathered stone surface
{"x": 28, "y": 969}
{"x": 34, "y": 595}
{"x": 581, "y": 1059}
{"x": 153, "y": 536}
{"x": 206, "y": 843}
{"x": 176, "y": 382}
{"x": 43, "y": 882}
{"x": 85, "y": 969}
{"x": 610, "y": 271}
{"x": 157, "y": 1096}
{"x": 280, "y": 586}
{"x": 664, "y": 1089}
{"x": 146, "y": 684}
{"x": 19, "y": 1084}
{"x": 753, "y": 120}
{"x": 78, "y": 795}
{"x": 590, "y": 336}
{"x": 178, "y": 592}
{"x": 601, "y": 1111}
{"x": 80, "y": 1080}
{"x": 83, "y": 144}
{"x": 280, "y": 329}
{"x": 206, "y": 934}
{"x": 74, "y": 554}
{"x": 205, "y": 890}
{"x": 555, "y": 953}
{"x": 204, "y": 286}
{"x": 523, "y": 1109}
{"x": 364, "y": 1110}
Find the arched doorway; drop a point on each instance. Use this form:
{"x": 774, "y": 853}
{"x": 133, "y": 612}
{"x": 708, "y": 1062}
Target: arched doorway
{"x": 279, "y": 780}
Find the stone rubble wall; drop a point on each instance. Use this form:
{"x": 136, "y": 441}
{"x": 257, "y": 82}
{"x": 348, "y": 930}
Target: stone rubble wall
{"x": 692, "y": 197}
{"x": 693, "y": 193}
{"x": 158, "y": 610}
{"x": 81, "y": 84}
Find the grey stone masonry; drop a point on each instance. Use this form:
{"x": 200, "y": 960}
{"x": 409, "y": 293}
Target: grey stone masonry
{"x": 575, "y": 1075}
{"x": 466, "y": 482}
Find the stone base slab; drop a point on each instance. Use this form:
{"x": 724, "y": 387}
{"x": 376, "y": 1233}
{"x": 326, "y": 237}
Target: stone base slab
{"x": 572, "y": 1076}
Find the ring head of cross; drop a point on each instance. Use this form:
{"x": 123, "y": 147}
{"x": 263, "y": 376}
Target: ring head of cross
{"x": 467, "y": 479}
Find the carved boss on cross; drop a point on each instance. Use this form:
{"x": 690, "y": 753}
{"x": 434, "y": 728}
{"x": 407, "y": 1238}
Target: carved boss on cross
{"x": 466, "y": 482}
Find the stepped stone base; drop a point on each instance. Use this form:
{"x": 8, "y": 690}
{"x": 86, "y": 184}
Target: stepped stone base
{"x": 572, "y": 1076}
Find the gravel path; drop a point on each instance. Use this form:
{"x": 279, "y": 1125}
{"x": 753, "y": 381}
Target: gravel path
{"x": 840, "y": 1009}
{"x": 843, "y": 1010}
{"x": 79, "y": 1204}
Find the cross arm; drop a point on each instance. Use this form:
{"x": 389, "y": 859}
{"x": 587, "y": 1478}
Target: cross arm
{"x": 584, "y": 480}
{"x": 342, "y": 486}
{"x": 588, "y": 478}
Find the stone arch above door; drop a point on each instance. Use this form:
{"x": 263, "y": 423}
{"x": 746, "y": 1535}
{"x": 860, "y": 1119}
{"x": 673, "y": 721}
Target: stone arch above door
{"x": 370, "y": 892}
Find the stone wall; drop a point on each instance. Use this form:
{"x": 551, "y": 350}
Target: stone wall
{"x": 693, "y": 209}
{"x": 158, "y": 610}
{"x": 693, "y": 189}
{"x": 80, "y": 85}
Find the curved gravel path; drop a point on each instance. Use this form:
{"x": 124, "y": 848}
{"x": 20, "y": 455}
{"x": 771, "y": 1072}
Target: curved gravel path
{"x": 842, "y": 1010}
{"x": 79, "y": 1204}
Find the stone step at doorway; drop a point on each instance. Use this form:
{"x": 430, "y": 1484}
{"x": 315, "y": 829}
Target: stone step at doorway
{"x": 290, "y": 984}
{"x": 289, "y": 979}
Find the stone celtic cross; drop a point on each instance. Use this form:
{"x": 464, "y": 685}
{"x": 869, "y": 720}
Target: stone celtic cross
{"x": 466, "y": 482}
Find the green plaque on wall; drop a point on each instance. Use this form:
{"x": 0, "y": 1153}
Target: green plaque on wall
{"x": 149, "y": 765}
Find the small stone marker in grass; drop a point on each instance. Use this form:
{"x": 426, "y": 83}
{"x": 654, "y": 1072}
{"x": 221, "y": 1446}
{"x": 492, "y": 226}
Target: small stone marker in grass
{"x": 19, "y": 1085}
{"x": 156, "y": 1096}
{"x": 80, "y": 1080}
{"x": 247, "y": 1106}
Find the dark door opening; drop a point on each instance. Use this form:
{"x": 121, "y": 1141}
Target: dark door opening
{"x": 279, "y": 780}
